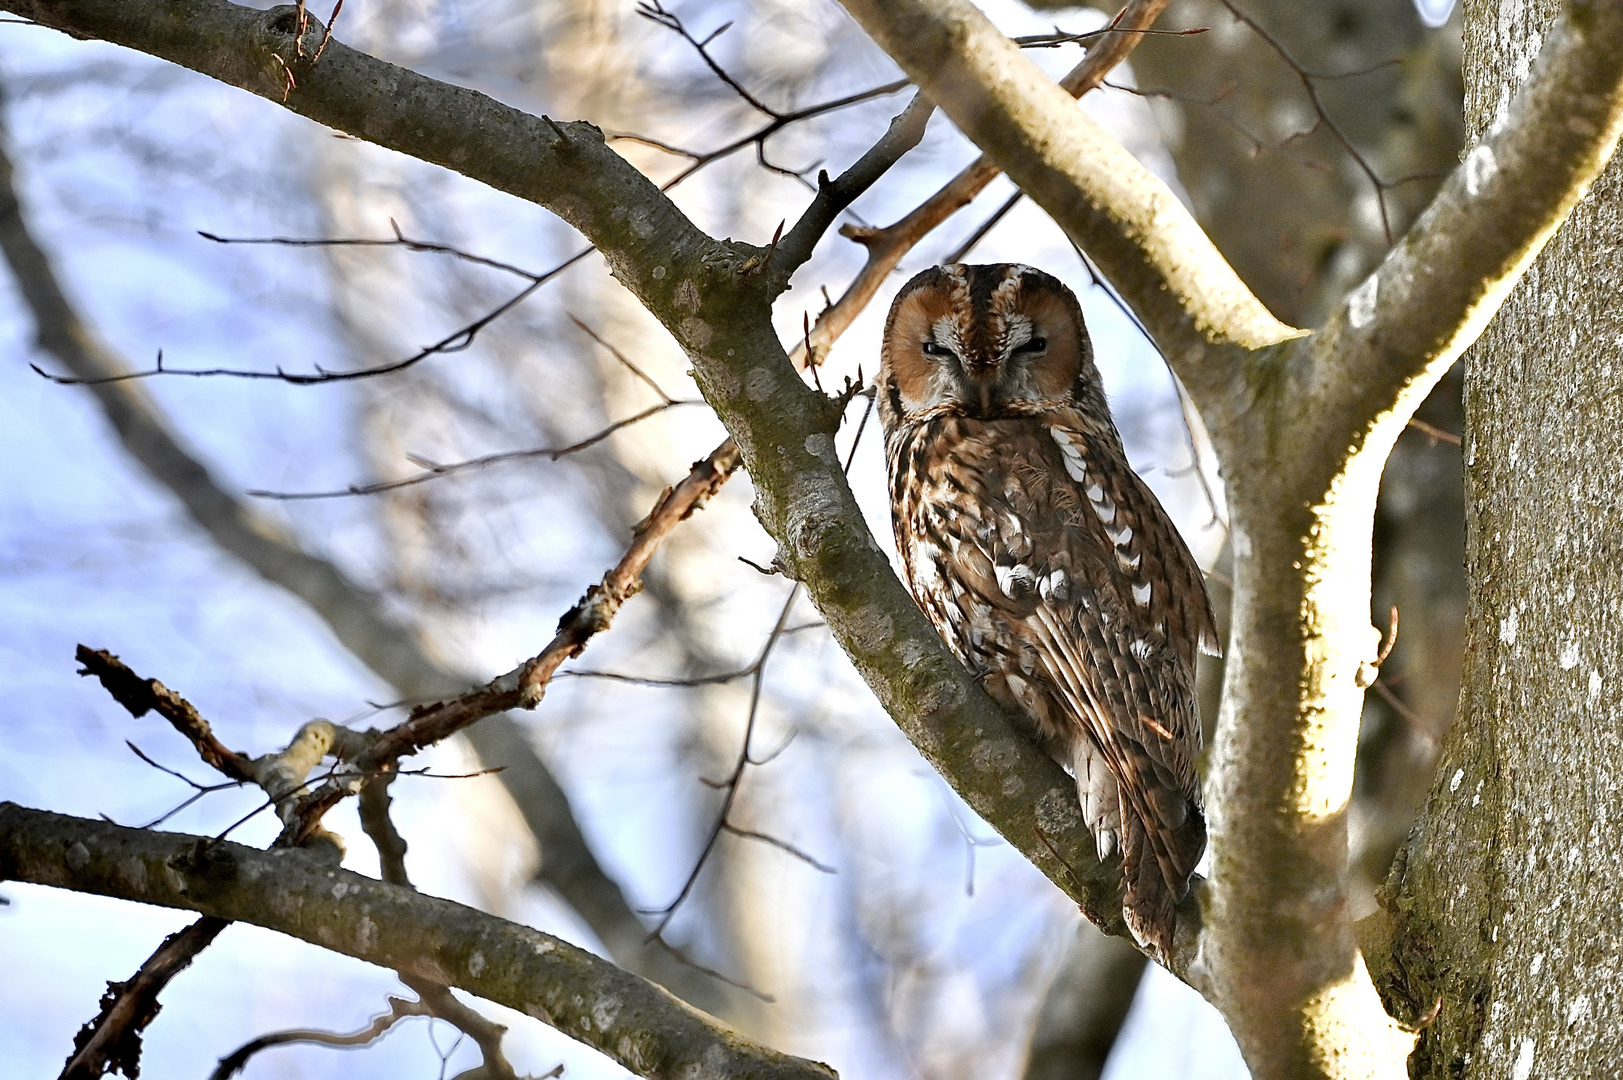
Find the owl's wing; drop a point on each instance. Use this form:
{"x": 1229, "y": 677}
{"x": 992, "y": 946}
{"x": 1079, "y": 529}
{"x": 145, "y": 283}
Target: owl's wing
{"x": 1104, "y": 596}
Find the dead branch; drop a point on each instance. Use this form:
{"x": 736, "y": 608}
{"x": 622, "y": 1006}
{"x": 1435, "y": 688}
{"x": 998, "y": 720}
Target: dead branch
{"x": 382, "y": 1024}
{"x": 434, "y": 470}
{"x": 524, "y": 686}
{"x": 111, "y": 1041}
{"x": 141, "y": 696}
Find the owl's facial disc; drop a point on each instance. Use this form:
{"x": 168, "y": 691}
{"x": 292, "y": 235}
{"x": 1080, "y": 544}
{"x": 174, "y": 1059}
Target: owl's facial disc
{"x": 987, "y": 342}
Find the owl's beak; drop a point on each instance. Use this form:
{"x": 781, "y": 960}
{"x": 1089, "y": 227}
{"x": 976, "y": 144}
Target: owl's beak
{"x": 983, "y": 380}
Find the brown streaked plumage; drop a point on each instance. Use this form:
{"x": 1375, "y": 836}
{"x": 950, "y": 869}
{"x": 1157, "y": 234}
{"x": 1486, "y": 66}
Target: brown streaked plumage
{"x": 1044, "y": 561}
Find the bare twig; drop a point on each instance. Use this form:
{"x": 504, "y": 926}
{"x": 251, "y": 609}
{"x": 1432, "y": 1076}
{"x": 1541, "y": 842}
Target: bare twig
{"x": 141, "y": 696}
{"x": 524, "y": 686}
{"x": 400, "y": 240}
{"x": 731, "y": 782}
{"x": 435, "y": 997}
{"x": 833, "y": 196}
{"x": 458, "y": 340}
{"x": 1434, "y": 433}
{"x": 625, "y": 361}
{"x": 382, "y": 1024}
{"x": 433, "y": 471}
{"x": 757, "y": 671}
{"x": 776, "y": 120}
{"x": 1309, "y": 80}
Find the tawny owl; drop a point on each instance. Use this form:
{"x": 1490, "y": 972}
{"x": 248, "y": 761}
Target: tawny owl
{"x": 1044, "y": 561}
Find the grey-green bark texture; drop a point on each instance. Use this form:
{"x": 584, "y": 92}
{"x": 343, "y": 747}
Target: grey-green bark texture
{"x": 1505, "y": 904}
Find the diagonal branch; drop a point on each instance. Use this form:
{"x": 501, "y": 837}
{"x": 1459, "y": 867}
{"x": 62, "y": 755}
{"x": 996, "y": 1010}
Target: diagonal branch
{"x": 630, "y": 1020}
{"x": 524, "y": 686}
{"x": 111, "y": 1041}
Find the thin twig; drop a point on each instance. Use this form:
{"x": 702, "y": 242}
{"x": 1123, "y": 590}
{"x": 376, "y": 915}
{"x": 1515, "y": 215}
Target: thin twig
{"x": 433, "y": 471}
{"x": 457, "y": 341}
{"x": 1309, "y": 80}
{"x": 524, "y": 686}
{"x": 1435, "y": 434}
{"x": 382, "y": 1024}
{"x": 731, "y": 784}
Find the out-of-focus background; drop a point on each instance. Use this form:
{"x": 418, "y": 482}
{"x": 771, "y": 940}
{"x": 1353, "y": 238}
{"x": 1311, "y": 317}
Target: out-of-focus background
{"x": 891, "y": 933}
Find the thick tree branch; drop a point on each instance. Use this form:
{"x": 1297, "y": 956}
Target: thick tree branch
{"x": 1332, "y": 407}
{"x": 632, "y": 1021}
{"x": 1302, "y": 428}
{"x": 1400, "y": 330}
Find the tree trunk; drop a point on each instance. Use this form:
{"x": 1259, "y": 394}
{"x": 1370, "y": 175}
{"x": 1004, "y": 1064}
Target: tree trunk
{"x": 1504, "y": 905}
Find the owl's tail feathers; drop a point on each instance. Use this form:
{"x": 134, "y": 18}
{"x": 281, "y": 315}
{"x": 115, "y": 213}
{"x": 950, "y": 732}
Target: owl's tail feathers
{"x": 1157, "y": 861}
{"x": 1158, "y": 829}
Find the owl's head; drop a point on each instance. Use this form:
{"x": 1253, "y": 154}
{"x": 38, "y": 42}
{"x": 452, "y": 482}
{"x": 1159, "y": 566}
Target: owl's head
{"x": 988, "y": 342}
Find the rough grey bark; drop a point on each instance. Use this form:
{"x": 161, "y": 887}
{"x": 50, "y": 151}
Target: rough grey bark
{"x": 1504, "y": 907}
{"x": 1295, "y": 222}
{"x": 1302, "y": 428}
